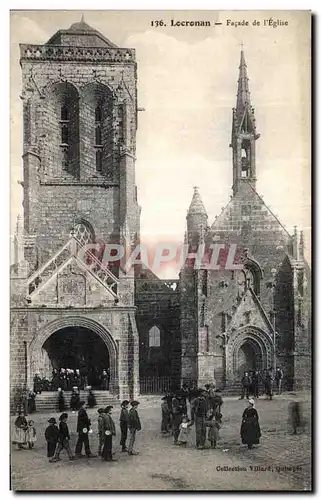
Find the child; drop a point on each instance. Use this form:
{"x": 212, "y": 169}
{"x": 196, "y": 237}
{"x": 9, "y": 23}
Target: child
{"x": 123, "y": 420}
{"x": 101, "y": 434}
{"x": 214, "y": 422}
{"x": 184, "y": 431}
{"x": 21, "y": 426}
{"x": 64, "y": 438}
{"x": 31, "y": 434}
{"x": 52, "y": 437}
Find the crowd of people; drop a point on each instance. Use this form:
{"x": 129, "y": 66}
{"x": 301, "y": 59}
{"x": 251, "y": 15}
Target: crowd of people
{"x": 181, "y": 410}
{"x": 205, "y": 412}
{"x": 58, "y": 437}
{"x": 67, "y": 378}
{"x": 253, "y": 380}
{"x": 74, "y": 403}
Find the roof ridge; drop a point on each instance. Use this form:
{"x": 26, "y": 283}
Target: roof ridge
{"x": 261, "y": 199}
{"x": 222, "y": 211}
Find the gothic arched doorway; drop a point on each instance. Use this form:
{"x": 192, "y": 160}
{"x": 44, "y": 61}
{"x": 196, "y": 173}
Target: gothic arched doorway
{"x": 248, "y": 348}
{"x": 248, "y": 357}
{"x": 78, "y": 348}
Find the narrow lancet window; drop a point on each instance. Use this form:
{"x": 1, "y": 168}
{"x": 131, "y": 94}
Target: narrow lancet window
{"x": 98, "y": 139}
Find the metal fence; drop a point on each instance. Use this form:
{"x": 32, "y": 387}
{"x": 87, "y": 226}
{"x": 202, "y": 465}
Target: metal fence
{"x": 155, "y": 385}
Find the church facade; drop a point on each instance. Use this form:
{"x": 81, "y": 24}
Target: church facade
{"x": 255, "y": 315}
{"x": 70, "y": 307}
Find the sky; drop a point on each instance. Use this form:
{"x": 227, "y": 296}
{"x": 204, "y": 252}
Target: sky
{"x": 187, "y": 82}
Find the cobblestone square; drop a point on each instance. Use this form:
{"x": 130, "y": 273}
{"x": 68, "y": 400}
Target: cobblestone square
{"x": 280, "y": 462}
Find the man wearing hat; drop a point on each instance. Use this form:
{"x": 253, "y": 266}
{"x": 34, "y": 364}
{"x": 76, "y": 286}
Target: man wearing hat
{"x": 101, "y": 432}
{"x": 52, "y": 437}
{"x": 199, "y": 412}
{"x": 109, "y": 432}
{"x": 123, "y": 421}
{"x": 134, "y": 425}
{"x": 166, "y": 415}
{"x": 83, "y": 427}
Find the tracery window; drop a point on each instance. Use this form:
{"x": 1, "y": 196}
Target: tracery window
{"x": 83, "y": 233}
{"x": 154, "y": 337}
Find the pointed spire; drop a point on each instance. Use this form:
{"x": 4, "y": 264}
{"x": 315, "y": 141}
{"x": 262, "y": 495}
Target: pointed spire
{"x": 196, "y": 206}
{"x": 301, "y": 245}
{"x": 296, "y": 250}
{"x": 243, "y": 93}
{"x": 19, "y": 227}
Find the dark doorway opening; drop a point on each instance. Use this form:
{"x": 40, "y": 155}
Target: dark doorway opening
{"x": 249, "y": 358}
{"x": 79, "y": 348}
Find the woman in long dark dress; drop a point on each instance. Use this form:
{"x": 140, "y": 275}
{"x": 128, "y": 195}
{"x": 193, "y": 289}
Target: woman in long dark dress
{"x": 250, "y": 428}
{"x": 31, "y": 402}
{"x": 91, "y": 400}
{"x": 61, "y": 400}
{"x": 74, "y": 400}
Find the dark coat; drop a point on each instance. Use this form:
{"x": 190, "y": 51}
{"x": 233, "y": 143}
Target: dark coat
{"x": 246, "y": 381}
{"x": 250, "y": 428}
{"x": 83, "y": 422}
{"x": 74, "y": 401}
{"x": 52, "y": 434}
{"x": 32, "y": 402}
{"x": 109, "y": 424}
{"x": 91, "y": 399}
{"x": 61, "y": 402}
{"x": 63, "y": 431}
{"x": 199, "y": 407}
{"x": 217, "y": 402}
{"x": 124, "y": 416}
{"x": 133, "y": 420}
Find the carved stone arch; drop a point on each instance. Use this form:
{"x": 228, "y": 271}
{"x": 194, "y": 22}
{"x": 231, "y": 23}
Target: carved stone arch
{"x": 253, "y": 268}
{"x": 49, "y": 329}
{"x": 253, "y": 264}
{"x": 47, "y": 89}
{"x": 98, "y": 87}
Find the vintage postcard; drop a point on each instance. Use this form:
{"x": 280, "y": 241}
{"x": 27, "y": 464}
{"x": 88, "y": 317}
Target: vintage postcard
{"x": 161, "y": 256}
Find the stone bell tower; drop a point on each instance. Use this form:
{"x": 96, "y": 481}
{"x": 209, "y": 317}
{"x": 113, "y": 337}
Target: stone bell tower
{"x": 80, "y": 117}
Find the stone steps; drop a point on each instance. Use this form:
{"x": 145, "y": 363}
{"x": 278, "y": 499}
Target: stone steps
{"x": 48, "y": 401}
{"x": 234, "y": 388}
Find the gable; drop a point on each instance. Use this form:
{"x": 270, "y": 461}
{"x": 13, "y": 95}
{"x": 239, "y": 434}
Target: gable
{"x": 247, "y": 217}
{"x": 72, "y": 286}
{"x": 250, "y": 312}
